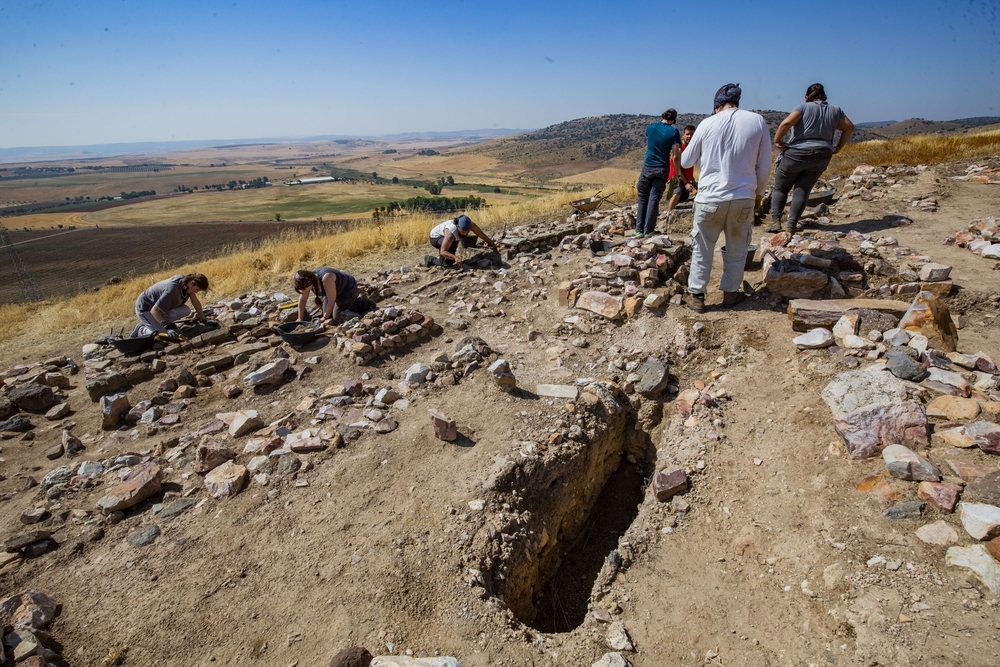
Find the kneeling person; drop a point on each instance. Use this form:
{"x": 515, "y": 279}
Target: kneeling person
{"x": 446, "y": 237}
{"x": 333, "y": 291}
{"x": 164, "y": 303}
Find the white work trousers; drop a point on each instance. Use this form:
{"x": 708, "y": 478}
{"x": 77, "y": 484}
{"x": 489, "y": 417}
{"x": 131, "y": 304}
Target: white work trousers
{"x": 735, "y": 219}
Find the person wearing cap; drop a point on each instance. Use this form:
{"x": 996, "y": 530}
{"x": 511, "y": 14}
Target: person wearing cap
{"x": 663, "y": 152}
{"x": 333, "y": 291}
{"x": 806, "y": 155}
{"x": 446, "y": 236}
{"x": 733, "y": 149}
{"x": 162, "y": 304}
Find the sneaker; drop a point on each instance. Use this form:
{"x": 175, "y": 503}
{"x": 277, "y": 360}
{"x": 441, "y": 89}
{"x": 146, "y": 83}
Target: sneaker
{"x": 696, "y": 302}
{"x": 773, "y": 227}
{"x": 731, "y": 299}
{"x": 637, "y": 234}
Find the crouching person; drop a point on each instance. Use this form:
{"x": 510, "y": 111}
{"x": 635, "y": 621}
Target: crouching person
{"x": 161, "y": 305}
{"x": 446, "y": 237}
{"x": 334, "y": 292}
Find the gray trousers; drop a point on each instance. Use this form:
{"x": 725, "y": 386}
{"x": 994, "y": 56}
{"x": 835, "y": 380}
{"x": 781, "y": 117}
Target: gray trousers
{"x": 797, "y": 172}
{"x": 734, "y": 218}
{"x": 147, "y": 321}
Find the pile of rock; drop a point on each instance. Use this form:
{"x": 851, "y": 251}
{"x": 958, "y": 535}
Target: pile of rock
{"x": 383, "y": 332}
{"x": 24, "y": 618}
{"x": 981, "y": 173}
{"x": 924, "y": 395}
{"x": 870, "y": 183}
{"x": 34, "y": 389}
{"x": 810, "y": 266}
{"x": 635, "y": 274}
{"x": 981, "y": 238}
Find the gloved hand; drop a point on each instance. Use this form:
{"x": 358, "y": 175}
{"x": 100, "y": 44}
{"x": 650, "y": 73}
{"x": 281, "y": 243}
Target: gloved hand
{"x": 171, "y": 330}
{"x": 212, "y": 323}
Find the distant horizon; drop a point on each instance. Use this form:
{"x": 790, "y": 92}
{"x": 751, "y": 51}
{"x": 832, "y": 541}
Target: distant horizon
{"x": 102, "y": 150}
{"x": 120, "y": 71}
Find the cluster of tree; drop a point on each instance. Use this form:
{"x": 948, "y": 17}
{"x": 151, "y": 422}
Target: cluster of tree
{"x": 80, "y": 198}
{"x": 135, "y": 194}
{"x": 388, "y": 151}
{"x": 428, "y": 151}
{"x": 259, "y": 182}
{"x": 434, "y": 204}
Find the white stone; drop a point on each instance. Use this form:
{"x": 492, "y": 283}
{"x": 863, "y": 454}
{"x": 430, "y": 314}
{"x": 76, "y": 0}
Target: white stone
{"x": 905, "y": 463}
{"x": 980, "y": 520}
{"x": 851, "y": 390}
{"x": 267, "y": 374}
{"x": 919, "y": 342}
{"x": 226, "y": 480}
{"x": 992, "y": 252}
{"x": 853, "y": 342}
{"x": 895, "y": 337}
{"x": 612, "y": 660}
{"x": 950, "y": 378}
{"x": 406, "y": 661}
{"x": 933, "y": 273}
{"x": 846, "y": 326}
{"x": 417, "y": 373}
{"x": 256, "y": 463}
{"x": 979, "y": 560}
{"x": 557, "y": 391}
{"x": 814, "y": 339}
{"x": 244, "y": 422}
{"x": 939, "y": 533}
{"x": 652, "y": 302}
{"x": 618, "y": 638}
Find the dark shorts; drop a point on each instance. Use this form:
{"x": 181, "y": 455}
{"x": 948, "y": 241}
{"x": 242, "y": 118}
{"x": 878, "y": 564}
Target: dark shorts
{"x": 683, "y": 192}
{"x": 468, "y": 241}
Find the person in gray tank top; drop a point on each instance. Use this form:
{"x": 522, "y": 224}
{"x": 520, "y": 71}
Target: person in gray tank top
{"x": 333, "y": 291}
{"x": 806, "y": 155}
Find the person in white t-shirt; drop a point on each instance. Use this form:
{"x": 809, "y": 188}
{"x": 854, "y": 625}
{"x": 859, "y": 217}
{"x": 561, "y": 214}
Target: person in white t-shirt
{"x": 446, "y": 237}
{"x": 733, "y": 149}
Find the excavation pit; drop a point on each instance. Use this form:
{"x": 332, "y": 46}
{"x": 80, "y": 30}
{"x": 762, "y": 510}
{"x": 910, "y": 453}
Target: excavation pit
{"x": 553, "y": 549}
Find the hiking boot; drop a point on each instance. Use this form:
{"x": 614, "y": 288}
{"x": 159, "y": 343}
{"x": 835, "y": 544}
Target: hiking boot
{"x": 773, "y": 227}
{"x": 430, "y": 260}
{"x": 731, "y": 299}
{"x": 791, "y": 229}
{"x": 696, "y": 302}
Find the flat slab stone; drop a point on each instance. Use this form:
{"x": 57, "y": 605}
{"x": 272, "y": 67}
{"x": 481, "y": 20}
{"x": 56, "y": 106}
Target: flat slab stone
{"x": 981, "y": 521}
{"x": 868, "y": 430}
{"x": 141, "y": 483}
{"x": 601, "y": 303}
{"x": 851, "y": 390}
{"x": 814, "y": 339}
{"x": 905, "y": 463}
{"x": 939, "y": 533}
{"x": 668, "y": 484}
{"x": 943, "y": 495}
{"x": 953, "y": 408}
{"x": 979, "y": 560}
{"x": 566, "y": 391}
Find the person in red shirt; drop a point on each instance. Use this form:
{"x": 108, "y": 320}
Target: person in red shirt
{"x": 682, "y": 191}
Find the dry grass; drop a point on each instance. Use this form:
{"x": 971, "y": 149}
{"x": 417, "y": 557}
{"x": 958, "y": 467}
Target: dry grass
{"x": 914, "y": 150}
{"x": 245, "y": 269}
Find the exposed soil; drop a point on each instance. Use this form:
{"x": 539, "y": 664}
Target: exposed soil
{"x": 382, "y": 548}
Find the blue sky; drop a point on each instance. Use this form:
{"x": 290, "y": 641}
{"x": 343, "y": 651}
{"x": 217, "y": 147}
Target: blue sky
{"x": 102, "y": 71}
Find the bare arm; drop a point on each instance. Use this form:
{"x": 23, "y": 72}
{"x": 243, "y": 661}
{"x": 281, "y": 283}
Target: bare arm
{"x": 846, "y": 128}
{"x": 791, "y": 120}
{"x": 692, "y": 153}
{"x": 675, "y": 158}
{"x": 486, "y": 239}
{"x": 304, "y": 303}
{"x": 446, "y": 244}
{"x": 330, "y": 287}
{"x": 197, "y": 306}
{"x": 763, "y": 158}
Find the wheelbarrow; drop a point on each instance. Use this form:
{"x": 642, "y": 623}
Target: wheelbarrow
{"x": 590, "y": 203}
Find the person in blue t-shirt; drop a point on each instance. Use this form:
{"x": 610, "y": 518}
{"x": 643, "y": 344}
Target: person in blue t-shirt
{"x": 663, "y": 147}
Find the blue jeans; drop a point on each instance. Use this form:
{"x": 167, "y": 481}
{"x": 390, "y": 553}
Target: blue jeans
{"x": 735, "y": 219}
{"x": 652, "y": 183}
{"x": 797, "y": 172}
